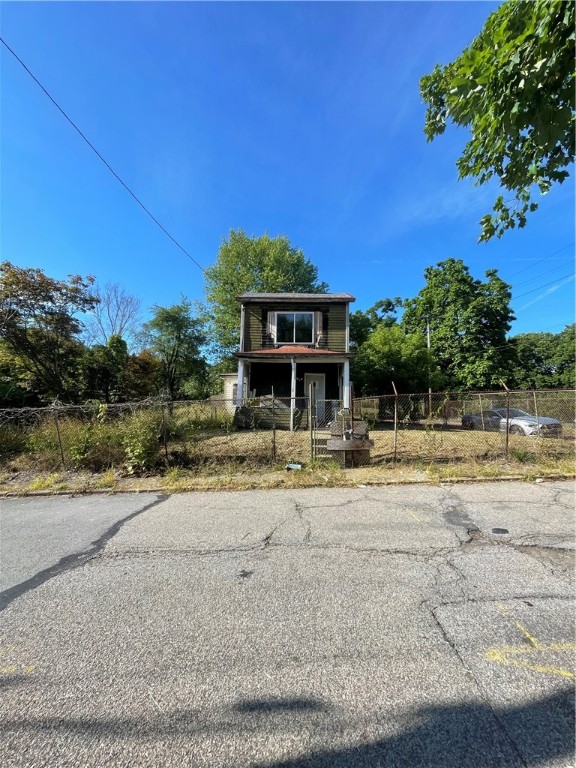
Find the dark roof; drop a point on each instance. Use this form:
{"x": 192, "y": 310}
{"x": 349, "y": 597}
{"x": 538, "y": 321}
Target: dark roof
{"x": 309, "y": 298}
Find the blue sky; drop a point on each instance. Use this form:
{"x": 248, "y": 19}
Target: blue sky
{"x": 302, "y": 119}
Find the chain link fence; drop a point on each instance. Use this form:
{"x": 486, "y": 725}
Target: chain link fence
{"x": 449, "y": 427}
{"x": 215, "y": 436}
{"x": 148, "y": 436}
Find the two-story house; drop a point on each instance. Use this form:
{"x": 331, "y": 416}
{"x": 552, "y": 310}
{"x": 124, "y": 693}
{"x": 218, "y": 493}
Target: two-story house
{"x": 290, "y": 341}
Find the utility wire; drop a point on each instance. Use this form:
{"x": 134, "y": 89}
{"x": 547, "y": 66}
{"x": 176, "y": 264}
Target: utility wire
{"x": 541, "y": 260}
{"x": 564, "y": 265}
{"x": 510, "y": 340}
{"x": 93, "y": 148}
{"x": 514, "y": 298}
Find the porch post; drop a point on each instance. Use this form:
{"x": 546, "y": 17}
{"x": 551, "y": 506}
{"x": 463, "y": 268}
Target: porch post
{"x": 240, "y": 392}
{"x": 346, "y": 384}
{"x": 292, "y": 394}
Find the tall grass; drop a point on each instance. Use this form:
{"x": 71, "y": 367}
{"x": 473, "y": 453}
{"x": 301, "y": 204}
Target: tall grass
{"x": 148, "y": 437}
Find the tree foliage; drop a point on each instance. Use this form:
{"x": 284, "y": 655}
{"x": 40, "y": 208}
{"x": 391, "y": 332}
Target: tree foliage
{"x": 174, "y": 337}
{"x": 260, "y": 264}
{"x": 104, "y": 369}
{"x": 468, "y": 320}
{"x": 544, "y": 360}
{"x": 388, "y": 355}
{"x": 362, "y": 324}
{"x": 142, "y": 377}
{"x": 39, "y": 328}
{"x": 514, "y": 89}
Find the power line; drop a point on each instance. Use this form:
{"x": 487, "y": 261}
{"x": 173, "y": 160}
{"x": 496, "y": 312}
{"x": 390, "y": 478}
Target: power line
{"x": 541, "y": 260}
{"x": 93, "y": 148}
{"x": 509, "y": 342}
{"x": 514, "y": 298}
{"x": 545, "y": 274}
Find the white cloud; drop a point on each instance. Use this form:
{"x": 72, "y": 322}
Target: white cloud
{"x": 452, "y": 201}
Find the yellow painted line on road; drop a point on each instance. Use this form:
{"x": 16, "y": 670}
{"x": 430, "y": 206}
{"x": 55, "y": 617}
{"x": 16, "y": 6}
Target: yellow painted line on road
{"x": 14, "y": 669}
{"x": 511, "y": 655}
{"x": 519, "y": 626}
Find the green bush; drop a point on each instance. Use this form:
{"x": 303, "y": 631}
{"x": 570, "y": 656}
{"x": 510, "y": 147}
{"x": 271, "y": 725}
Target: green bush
{"x": 42, "y": 444}
{"x": 96, "y": 446}
{"x": 12, "y": 441}
{"x": 141, "y": 436}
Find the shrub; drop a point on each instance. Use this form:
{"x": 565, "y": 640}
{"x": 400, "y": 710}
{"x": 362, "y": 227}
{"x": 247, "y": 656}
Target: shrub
{"x": 12, "y": 441}
{"x": 42, "y": 443}
{"x": 141, "y": 434}
{"x": 97, "y": 446}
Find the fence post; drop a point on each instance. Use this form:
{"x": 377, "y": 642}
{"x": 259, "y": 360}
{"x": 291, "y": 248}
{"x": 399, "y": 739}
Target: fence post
{"x": 164, "y": 440}
{"x": 481, "y": 411}
{"x": 273, "y": 427}
{"x": 395, "y": 419}
{"x": 59, "y": 438}
{"x": 507, "y": 418}
{"x": 312, "y": 419}
{"x": 539, "y": 433}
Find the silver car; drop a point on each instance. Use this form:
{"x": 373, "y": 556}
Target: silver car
{"x": 521, "y": 423}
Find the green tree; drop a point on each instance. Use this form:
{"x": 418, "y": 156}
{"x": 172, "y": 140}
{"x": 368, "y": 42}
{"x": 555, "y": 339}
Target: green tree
{"x": 388, "y": 355}
{"x": 565, "y": 358}
{"x": 105, "y": 367}
{"x": 514, "y": 89}
{"x": 39, "y": 327}
{"x": 260, "y": 264}
{"x": 362, "y": 324}
{"x": 544, "y": 360}
{"x": 533, "y": 367}
{"x": 468, "y": 321}
{"x": 143, "y": 376}
{"x": 13, "y": 390}
{"x": 174, "y": 337}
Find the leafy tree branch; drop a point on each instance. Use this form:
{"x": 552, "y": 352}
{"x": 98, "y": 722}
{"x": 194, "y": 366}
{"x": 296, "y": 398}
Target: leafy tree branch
{"x": 514, "y": 89}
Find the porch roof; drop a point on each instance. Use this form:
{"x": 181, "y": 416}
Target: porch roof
{"x": 293, "y": 350}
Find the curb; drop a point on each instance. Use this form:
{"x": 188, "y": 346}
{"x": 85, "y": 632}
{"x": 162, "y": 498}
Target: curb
{"x": 376, "y": 484}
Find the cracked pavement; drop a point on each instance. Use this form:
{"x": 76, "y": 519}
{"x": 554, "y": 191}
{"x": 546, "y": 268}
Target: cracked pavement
{"x": 399, "y": 626}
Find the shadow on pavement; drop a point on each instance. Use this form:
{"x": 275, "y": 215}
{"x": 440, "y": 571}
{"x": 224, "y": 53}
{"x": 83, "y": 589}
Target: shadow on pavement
{"x": 534, "y": 733}
{"x": 461, "y": 736}
{"x": 280, "y": 705}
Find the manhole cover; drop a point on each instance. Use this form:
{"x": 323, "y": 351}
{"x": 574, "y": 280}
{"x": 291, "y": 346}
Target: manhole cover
{"x": 499, "y": 530}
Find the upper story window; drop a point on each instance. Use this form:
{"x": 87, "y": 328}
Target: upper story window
{"x": 294, "y": 327}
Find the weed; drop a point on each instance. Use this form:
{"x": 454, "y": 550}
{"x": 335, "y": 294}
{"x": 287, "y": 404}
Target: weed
{"x": 47, "y": 482}
{"x": 522, "y": 455}
{"x": 141, "y": 433}
{"x": 106, "y": 480}
{"x": 176, "y": 481}
{"x": 12, "y": 441}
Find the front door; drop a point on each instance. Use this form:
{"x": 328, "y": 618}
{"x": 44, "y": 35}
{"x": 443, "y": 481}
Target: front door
{"x": 319, "y": 379}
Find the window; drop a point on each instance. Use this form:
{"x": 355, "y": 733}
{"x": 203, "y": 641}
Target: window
{"x": 294, "y": 328}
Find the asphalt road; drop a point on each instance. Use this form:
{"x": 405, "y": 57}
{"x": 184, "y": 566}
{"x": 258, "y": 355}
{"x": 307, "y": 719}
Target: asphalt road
{"x": 399, "y": 626}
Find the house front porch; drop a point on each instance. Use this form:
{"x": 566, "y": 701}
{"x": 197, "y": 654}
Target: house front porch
{"x": 292, "y": 375}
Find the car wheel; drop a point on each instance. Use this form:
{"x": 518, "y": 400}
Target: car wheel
{"x": 516, "y": 430}
{"x": 468, "y": 425}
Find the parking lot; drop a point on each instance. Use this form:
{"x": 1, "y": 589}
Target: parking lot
{"x": 414, "y": 625}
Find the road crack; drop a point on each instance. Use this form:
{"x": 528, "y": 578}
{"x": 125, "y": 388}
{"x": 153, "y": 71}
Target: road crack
{"x": 305, "y": 523}
{"x": 75, "y": 560}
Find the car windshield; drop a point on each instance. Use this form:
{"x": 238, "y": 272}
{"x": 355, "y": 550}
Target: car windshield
{"x": 515, "y": 413}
